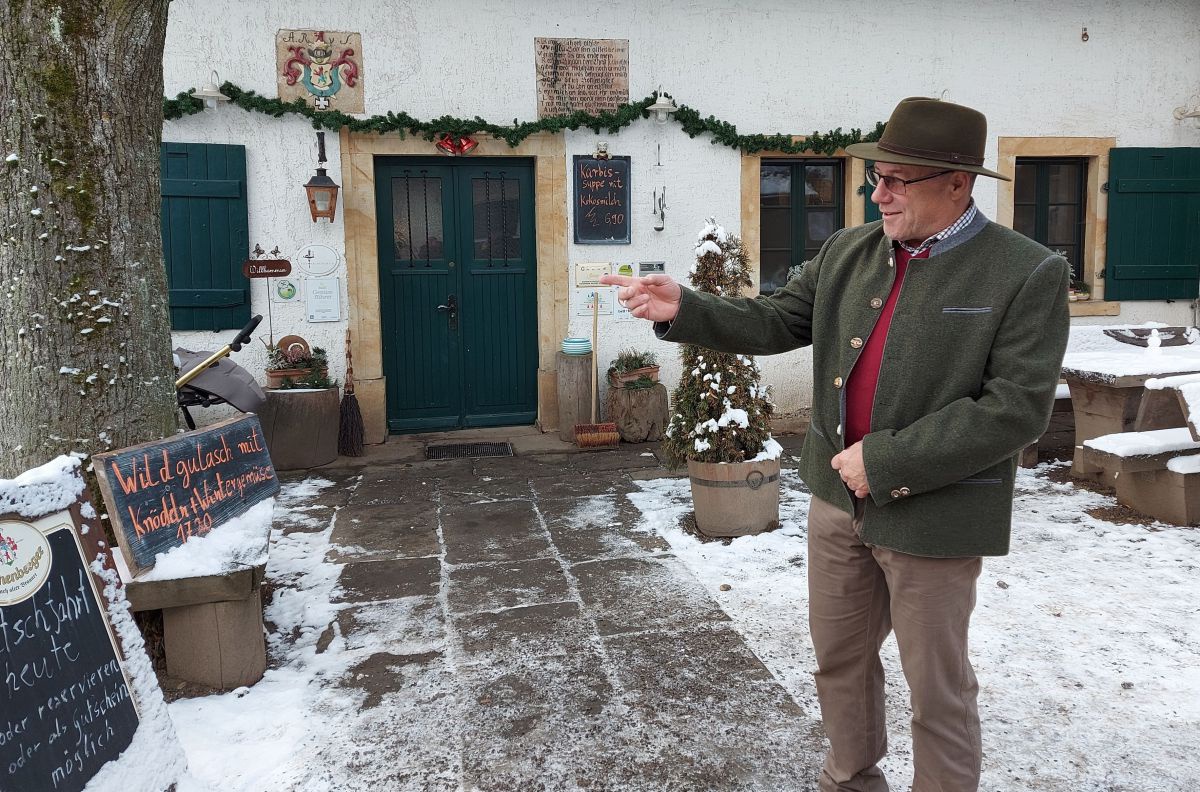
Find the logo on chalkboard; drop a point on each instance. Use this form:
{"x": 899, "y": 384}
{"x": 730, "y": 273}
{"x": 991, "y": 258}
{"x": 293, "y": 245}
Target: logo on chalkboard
{"x": 25, "y": 558}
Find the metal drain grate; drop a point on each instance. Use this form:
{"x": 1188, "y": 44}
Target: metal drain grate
{"x": 464, "y": 450}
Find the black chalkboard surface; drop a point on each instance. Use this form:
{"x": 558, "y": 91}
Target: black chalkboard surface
{"x": 601, "y": 202}
{"x": 160, "y": 494}
{"x": 65, "y": 708}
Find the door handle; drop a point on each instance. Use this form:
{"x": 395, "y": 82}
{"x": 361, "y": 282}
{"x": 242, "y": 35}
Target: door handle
{"x": 451, "y": 307}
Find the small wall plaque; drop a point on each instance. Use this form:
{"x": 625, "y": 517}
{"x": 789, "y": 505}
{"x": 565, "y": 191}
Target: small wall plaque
{"x": 324, "y": 300}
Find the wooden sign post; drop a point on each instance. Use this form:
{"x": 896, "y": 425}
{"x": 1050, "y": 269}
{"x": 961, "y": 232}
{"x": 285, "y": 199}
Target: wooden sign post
{"x": 65, "y": 704}
{"x": 162, "y": 493}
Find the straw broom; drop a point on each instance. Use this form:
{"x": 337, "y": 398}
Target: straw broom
{"x": 595, "y": 435}
{"x": 350, "y": 424}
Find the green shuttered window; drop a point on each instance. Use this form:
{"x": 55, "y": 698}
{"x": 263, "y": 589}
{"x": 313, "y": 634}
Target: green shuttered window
{"x": 205, "y": 234}
{"x": 1153, "y": 223}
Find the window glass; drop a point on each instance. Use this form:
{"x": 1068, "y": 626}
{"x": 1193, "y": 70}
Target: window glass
{"x": 497, "y": 217}
{"x": 775, "y": 185}
{"x": 801, "y": 205}
{"x": 417, "y": 218}
{"x": 1049, "y": 204}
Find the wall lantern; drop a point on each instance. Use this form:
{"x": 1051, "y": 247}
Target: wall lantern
{"x": 453, "y": 146}
{"x": 210, "y": 93}
{"x": 1192, "y": 112}
{"x": 663, "y": 107}
{"x": 322, "y": 190}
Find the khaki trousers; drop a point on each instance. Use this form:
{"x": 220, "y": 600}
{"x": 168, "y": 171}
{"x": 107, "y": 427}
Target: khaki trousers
{"x": 858, "y": 594}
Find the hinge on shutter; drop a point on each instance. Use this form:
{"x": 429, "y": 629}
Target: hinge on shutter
{"x": 1100, "y": 274}
{"x": 862, "y": 190}
{"x": 1104, "y": 187}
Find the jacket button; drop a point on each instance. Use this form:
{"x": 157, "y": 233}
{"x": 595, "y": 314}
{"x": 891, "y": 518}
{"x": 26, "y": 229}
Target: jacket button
{"x": 876, "y": 302}
{"x": 904, "y": 493}
{"x": 895, "y": 493}
{"x": 856, "y": 342}
{"x": 837, "y": 382}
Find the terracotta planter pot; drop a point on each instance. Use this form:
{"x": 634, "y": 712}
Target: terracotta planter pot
{"x": 275, "y": 377}
{"x": 616, "y": 380}
{"x": 735, "y": 499}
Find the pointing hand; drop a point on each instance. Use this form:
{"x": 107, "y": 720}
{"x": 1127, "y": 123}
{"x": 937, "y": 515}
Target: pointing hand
{"x": 654, "y": 297}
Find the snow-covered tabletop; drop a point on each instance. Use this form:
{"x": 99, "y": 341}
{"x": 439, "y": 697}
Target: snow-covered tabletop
{"x": 1094, "y": 357}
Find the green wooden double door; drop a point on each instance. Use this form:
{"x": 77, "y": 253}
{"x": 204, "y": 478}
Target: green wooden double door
{"x": 458, "y": 292}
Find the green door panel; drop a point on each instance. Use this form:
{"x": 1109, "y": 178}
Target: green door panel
{"x": 499, "y": 293}
{"x": 457, "y": 235}
{"x": 1153, "y": 217}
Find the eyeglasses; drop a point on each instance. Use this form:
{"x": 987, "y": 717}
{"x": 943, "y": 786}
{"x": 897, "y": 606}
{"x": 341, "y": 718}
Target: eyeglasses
{"x": 896, "y": 185}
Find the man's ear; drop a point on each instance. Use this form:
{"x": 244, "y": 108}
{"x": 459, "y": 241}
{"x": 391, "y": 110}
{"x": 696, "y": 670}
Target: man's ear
{"x": 963, "y": 183}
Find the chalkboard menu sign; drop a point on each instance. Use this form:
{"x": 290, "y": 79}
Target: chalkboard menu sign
{"x": 65, "y": 709}
{"x": 601, "y": 205}
{"x": 160, "y": 494}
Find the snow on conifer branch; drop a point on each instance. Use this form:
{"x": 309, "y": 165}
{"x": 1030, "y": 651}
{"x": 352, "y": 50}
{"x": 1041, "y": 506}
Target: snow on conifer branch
{"x": 721, "y": 412}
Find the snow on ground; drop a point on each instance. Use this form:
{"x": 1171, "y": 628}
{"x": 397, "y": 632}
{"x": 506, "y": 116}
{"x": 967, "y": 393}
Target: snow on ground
{"x": 1086, "y": 638}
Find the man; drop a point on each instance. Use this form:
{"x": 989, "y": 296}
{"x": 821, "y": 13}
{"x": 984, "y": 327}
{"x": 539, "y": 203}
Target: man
{"x": 937, "y": 340}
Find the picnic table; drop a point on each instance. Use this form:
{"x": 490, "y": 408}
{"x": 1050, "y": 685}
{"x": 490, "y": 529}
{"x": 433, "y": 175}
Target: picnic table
{"x": 1107, "y": 368}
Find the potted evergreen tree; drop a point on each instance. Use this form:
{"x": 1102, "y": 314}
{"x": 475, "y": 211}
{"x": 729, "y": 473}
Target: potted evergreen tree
{"x": 720, "y": 423}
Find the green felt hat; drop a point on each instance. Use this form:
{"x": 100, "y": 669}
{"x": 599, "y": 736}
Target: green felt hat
{"x": 931, "y": 132}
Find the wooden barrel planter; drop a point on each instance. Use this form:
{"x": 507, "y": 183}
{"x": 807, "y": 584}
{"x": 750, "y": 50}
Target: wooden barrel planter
{"x": 301, "y": 427}
{"x": 735, "y": 498}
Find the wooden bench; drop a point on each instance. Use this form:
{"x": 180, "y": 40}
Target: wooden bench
{"x": 1155, "y": 472}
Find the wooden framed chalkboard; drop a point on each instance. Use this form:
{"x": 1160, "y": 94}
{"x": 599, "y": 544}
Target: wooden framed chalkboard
{"x": 65, "y": 704}
{"x": 162, "y": 493}
{"x": 601, "y": 201}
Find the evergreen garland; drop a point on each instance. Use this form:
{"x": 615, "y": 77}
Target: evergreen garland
{"x": 721, "y": 411}
{"x": 611, "y": 122}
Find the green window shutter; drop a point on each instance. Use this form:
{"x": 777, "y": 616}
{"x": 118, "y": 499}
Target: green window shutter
{"x": 205, "y": 234}
{"x": 1153, "y": 214}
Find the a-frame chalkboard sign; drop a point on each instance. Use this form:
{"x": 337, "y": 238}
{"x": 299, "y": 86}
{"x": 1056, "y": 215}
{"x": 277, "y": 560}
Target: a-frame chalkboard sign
{"x": 65, "y": 704}
{"x": 601, "y": 200}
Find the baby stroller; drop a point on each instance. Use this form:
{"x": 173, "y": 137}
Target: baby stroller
{"x": 208, "y": 378}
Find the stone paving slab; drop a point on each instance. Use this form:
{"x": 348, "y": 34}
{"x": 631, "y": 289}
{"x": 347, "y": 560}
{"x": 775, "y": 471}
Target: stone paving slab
{"x": 635, "y": 594}
{"x": 534, "y": 630}
{"x": 512, "y": 584}
{"x": 386, "y": 530}
{"x": 366, "y": 581}
{"x": 502, "y": 531}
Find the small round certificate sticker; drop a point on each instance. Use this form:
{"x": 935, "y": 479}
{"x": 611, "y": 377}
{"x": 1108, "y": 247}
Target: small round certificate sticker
{"x": 625, "y": 269}
{"x": 25, "y": 558}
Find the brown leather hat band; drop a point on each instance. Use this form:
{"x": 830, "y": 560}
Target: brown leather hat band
{"x": 942, "y": 156}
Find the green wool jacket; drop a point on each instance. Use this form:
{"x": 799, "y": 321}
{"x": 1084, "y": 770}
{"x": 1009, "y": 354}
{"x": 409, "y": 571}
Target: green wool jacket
{"x": 967, "y": 380}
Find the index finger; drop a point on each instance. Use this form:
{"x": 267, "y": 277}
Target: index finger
{"x": 619, "y": 280}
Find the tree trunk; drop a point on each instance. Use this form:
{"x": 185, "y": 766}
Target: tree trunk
{"x": 85, "y": 357}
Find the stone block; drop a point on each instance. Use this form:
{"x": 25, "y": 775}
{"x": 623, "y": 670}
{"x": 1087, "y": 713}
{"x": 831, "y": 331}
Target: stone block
{"x": 218, "y": 644}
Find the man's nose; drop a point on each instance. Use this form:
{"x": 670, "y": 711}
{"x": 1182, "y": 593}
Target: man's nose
{"x": 880, "y": 194}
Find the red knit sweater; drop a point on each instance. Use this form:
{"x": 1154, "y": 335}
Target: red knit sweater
{"x": 860, "y": 390}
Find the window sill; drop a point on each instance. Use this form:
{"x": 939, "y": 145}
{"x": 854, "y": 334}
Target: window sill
{"x": 1094, "y": 308}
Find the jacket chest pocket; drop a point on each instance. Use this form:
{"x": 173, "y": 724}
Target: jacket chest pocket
{"x": 967, "y": 312}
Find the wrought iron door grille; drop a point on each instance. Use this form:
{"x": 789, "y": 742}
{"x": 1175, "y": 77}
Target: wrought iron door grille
{"x": 468, "y": 450}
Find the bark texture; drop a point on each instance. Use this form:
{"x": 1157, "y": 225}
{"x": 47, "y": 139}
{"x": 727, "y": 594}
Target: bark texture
{"x": 85, "y": 337}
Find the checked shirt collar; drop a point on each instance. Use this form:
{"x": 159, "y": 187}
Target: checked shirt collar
{"x": 958, "y": 225}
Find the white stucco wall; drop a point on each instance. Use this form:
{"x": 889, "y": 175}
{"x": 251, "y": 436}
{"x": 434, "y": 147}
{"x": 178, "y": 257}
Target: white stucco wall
{"x": 771, "y": 66}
